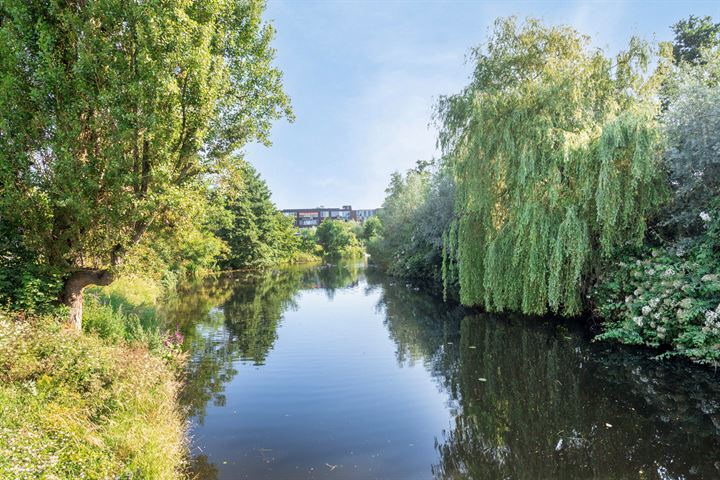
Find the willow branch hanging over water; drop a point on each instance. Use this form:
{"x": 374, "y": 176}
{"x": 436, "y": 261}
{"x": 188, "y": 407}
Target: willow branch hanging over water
{"x": 556, "y": 154}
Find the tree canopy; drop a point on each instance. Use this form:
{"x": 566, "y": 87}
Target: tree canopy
{"x": 337, "y": 238}
{"x": 415, "y": 215}
{"x": 256, "y": 233}
{"x": 555, "y": 151}
{"x": 692, "y": 127}
{"x": 692, "y": 35}
{"x": 112, "y": 114}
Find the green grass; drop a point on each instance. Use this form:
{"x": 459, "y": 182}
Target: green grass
{"x": 125, "y": 311}
{"x": 78, "y": 406}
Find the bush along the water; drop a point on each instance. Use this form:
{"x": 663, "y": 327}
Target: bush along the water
{"x": 667, "y": 297}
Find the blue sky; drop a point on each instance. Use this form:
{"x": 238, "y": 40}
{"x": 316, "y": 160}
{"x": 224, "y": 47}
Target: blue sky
{"x": 364, "y": 76}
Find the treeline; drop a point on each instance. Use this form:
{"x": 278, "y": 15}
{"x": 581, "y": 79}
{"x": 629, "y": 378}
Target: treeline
{"x": 572, "y": 182}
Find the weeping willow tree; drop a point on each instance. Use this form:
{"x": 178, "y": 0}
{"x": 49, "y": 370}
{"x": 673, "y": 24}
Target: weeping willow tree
{"x": 556, "y": 154}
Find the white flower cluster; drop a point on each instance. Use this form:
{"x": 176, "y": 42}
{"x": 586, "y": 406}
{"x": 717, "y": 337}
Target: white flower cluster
{"x": 710, "y": 277}
{"x": 705, "y": 217}
{"x": 712, "y": 324}
{"x": 661, "y": 332}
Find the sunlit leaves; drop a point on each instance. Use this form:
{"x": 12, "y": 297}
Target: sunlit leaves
{"x": 112, "y": 114}
{"x": 555, "y": 151}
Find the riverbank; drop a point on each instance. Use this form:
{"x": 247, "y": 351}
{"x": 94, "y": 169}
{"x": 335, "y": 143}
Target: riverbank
{"x": 97, "y": 404}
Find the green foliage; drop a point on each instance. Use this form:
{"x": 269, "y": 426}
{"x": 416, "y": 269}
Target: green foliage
{"x": 32, "y": 289}
{"x": 667, "y": 297}
{"x": 115, "y": 319}
{"x": 692, "y": 125}
{"x": 128, "y": 312}
{"x": 257, "y": 234}
{"x": 555, "y": 151}
{"x": 395, "y": 251}
{"x": 372, "y": 228}
{"x": 24, "y": 284}
{"x": 113, "y": 115}
{"x": 72, "y": 406}
{"x": 337, "y": 239}
{"x": 307, "y": 239}
{"x": 692, "y": 35}
{"x": 416, "y": 212}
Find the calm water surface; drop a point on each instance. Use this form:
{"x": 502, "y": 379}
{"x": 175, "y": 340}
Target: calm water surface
{"x": 339, "y": 373}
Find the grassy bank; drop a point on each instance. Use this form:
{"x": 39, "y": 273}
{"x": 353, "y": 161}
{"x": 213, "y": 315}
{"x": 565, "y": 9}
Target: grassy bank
{"x": 101, "y": 404}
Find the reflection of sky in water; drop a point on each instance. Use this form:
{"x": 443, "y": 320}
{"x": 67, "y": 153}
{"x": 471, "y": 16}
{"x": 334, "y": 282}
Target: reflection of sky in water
{"x": 372, "y": 380}
{"x": 299, "y": 410}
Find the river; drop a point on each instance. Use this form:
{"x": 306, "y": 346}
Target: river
{"x": 338, "y": 372}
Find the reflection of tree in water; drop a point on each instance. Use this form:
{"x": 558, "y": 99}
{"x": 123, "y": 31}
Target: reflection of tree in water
{"x": 234, "y": 317}
{"x": 333, "y": 277}
{"x": 254, "y": 309}
{"x": 530, "y": 398}
{"x": 424, "y": 328}
{"x": 541, "y": 405}
{"x": 551, "y": 406}
{"x": 534, "y": 399}
{"x": 238, "y": 321}
{"x": 517, "y": 400}
{"x": 202, "y": 469}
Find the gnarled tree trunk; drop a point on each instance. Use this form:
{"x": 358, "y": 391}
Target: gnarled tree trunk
{"x": 73, "y": 291}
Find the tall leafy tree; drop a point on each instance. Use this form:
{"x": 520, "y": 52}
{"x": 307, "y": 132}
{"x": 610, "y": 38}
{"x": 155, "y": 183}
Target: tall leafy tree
{"x": 337, "y": 238}
{"x": 372, "y": 228}
{"x": 692, "y": 35}
{"x": 257, "y": 234}
{"x": 113, "y": 111}
{"x": 415, "y": 215}
{"x": 555, "y": 151}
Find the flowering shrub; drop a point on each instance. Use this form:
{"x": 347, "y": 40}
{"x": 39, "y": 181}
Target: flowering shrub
{"x": 171, "y": 350}
{"x": 667, "y": 297}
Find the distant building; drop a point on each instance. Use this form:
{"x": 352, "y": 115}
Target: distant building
{"x": 312, "y": 217}
{"x": 362, "y": 215}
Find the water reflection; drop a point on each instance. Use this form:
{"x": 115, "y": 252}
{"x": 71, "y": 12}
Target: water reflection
{"x": 524, "y": 398}
{"x": 234, "y": 317}
{"x": 539, "y": 402}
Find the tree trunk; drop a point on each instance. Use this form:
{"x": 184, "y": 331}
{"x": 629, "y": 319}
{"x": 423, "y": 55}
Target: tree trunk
{"x": 73, "y": 291}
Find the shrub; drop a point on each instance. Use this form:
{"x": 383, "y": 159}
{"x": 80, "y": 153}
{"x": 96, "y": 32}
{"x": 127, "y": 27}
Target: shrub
{"x": 24, "y": 284}
{"x": 692, "y": 126}
{"x": 337, "y": 239}
{"x": 667, "y": 297}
